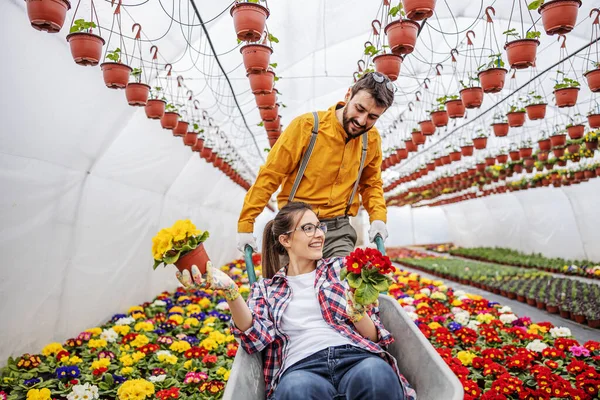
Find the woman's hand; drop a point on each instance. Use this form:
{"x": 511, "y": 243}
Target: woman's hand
{"x": 355, "y": 310}
{"x": 214, "y": 278}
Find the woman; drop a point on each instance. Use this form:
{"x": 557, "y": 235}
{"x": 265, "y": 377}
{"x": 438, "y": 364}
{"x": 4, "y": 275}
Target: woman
{"x": 316, "y": 340}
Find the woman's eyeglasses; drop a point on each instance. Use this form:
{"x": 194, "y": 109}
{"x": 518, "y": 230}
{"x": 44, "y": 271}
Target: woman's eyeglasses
{"x": 380, "y": 78}
{"x": 310, "y": 229}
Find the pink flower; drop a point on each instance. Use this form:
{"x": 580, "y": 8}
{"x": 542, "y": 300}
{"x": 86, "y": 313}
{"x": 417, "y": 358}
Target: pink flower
{"x": 579, "y": 351}
{"x": 3, "y": 395}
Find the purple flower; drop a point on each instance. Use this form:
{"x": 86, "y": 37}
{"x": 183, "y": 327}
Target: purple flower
{"x": 579, "y": 351}
{"x": 454, "y": 326}
{"x": 31, "y": 382}
{"x": 518, "y": 322}
{"x": 117, "y": 317}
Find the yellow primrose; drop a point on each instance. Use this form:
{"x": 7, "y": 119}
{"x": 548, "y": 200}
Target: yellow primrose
{"x": 137, "y": 356}
{"x": 210, "y": 320}
{"x": 126, "y": 371}
{"x": 126, "y": 360}
{"x": 443, "y": 288}
{"x": 181, "y": 299}
{"x": 193, "y": 309}
{"x": 39, "y": 394}
{"x": 94, "y": 331}
{"x": 101, "y": 363}
{"x": 437, "y": 283}
{"x": 168, "y": 358}
{"x": 209, "y": 344}
{"x": 204, "y": 303}
{"x": 206, "y": 329}
{"x": 177, "y": 318}
{"x": 191, "y": 322}
{"x": 135, "y": 389}
{"x": 485, "y": 318}
{"x": 421, "y": 305}
{"x": 221, "y": 371}
{"x": 74, "y": 360}
{"x": 226, "y": 376}
{"x": 52, "y": 349}
{"x": 244, "y": 289}
{"x": 535, "y": 329}
{"x": 176, "y": 309}
{"x": 218, "y": 337}
{"x": 419, "y": 296}
{"x": 144, "y": 326}
{"x": 140, "y": 340}
{"x": 456, "y": 303}
{"x": 473, "y": 296}
{"x": 188, "y": 364}
{"x": 230, "y": 338}
{"x": 434, "y": 325}
{"x": 438, "y": 296}
{"x": 466, "y": 357}
{"x": 121, "y": 329}
{"x": 135, "y": 308}
{"x": 180, "y": 346}
{"x": 97, "y": 343}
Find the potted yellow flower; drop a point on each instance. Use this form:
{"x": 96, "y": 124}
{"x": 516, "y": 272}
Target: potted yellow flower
{"x": 181, "y": 245}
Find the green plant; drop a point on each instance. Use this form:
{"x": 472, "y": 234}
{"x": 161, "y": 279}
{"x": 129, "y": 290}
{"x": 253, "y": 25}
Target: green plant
{"x": 137, "y": 74}
{"x": 399, "y": 9}
{"x": 534, "y": 98}
{"x": 495, "y": 62}
{"x": 81, "y": 25}
{"x": 470, "y": 82}
{"x": 115, "y": 55}
{"x": 499, "y": 118}
{"x": 156, "y": 93}
{"x": 574, "y": 120}
{"x": 480, "y": 133}
{"x": 530, "y": 35}
{"x": 526, "y": 143}
{"x": 171, "y": 108}
{"x": 197, "y": 128}
{"x": 565, "y": 82}
{"x": 535, "y": 4}
{"x": 592, "y": 136}
{"x": 516, "y": 108}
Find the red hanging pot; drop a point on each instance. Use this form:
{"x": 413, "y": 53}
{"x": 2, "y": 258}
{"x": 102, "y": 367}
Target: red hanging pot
{"x": 500, "y": 129}
{"x": 480, "y": 167}
{"x": 455, "y": 156}
{"x": 558, "y": 151}
{"x": 169, "y": 120}
{"x": 591, "y": 145}
{"x": 199, "y": 145}
{"x": 427, "y": 127}
{"x": 266, "y": 100}
{"x": 521, "y": 53}
{"x": 86, "y": 48}
{"x": 256, "y": 57}
{"x": 439, "y": 118}
{"x": 249, "y": 21}
{"x": 559, "y": 16}
{"x": 269, "y": 114}
{"x": 418, "y": 9}
{"x": 155, "y": 108}
{"x": 472, "y": 97}
{"x": 542, "y": 156}
{"x": 137, "y": 94}
{"x": 518, "y": 168}
{"x": 514, "y": 155}
{"x": 480, "y": 143}
{"x": 402, "y": 36}
{"x": 594, "y": 121}
{"x": 525, "y": 152}
{"x": 261, "y": 82}
{"x": 529, "y": 163}
{"x": 566, "y": 97}
{"x": 116, "y": 75}
{"x": 273, "y": 136}
{"x": 558, "y": 140}
{"x": 502, "y": 158}
{"x": 573, "y": 148}
{"x": 593, "y": 79}
{"x": 576, "y": 131}
{"x": 446, "y": 160}
{"x": 388, "y": 65}
{"x": 536, "y": 111}
{"x": 410, "y": 145}
{"x": 190, "y": 138}
{"x": 272, "y": 125}
{"x": 418, "y": 137}
{"x": 47, "y": 15}
{"x": 516, "y": 119}
{"x": 402, "y": 154}
{"x": 545, "y": 144}
{"x": 492, "y": 80}
{"x": 466, "y": 151}
{"x": 455, "y": 108}
{"x": 181, "y": 129}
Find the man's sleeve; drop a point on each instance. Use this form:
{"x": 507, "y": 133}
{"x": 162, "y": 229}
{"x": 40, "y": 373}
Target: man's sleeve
{"x": 371, "y": 185}
{"x": 283, "y": 158}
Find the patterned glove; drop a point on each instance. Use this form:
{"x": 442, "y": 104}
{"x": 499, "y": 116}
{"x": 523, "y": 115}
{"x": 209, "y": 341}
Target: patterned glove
{"x": 357, "y": 311}
{"x": 213, "y": 279}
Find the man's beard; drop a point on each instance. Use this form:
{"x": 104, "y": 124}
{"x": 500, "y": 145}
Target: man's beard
{"x": 348, "y": 122}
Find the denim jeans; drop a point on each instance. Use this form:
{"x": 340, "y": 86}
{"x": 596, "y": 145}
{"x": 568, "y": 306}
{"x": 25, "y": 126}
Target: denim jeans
{"x": 341, "y": 372}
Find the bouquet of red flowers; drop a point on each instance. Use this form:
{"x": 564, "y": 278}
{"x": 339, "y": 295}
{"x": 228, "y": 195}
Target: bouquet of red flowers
{"x": 368, "y": 274}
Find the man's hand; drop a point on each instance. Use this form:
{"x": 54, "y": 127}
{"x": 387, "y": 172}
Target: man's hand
{"x": 378, "y": 228}
{"x": 245, "y": 239}
{"x": 213, "y": 279}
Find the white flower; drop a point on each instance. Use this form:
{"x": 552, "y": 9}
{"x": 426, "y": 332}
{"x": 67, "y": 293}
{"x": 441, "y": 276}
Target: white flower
{"x": 537, "y": 346}
{"x": 161, "y": 352}
{"x": 158, "y": 303}
{"x": 473, "y": 324}
{"x": 505, "y": 309}
{"x": 462, "y": 317}
{"x": 456, "y": 310}
{"x": 413, "y": 316}
{"x": 409, "y": 309}
{"x": 408, "y": 300}
{"x": 81, "y": 392}
{"x": 463, "y": 297}
{"x": 222, "y": 306}
{"x": 109, "y": 335}
{"x": 459, "y": 293}
{"x": 158, "y": 378}
{"x": 560, "y": 332}
{"x": 425, "y": 291}
{"x": 125, "y": 321}
{"x": 442, "y": 288}
{"x": 508, "y": 318}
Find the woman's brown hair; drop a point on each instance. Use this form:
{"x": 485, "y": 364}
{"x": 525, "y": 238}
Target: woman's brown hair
{"x": 271, "y": 247}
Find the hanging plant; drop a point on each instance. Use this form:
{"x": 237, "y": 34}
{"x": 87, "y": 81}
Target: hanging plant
{"x": 410, "y": 145}
{"x": 480, "y": 140}
{"x": 467, "y": 149}
{"x": 115, "y": 74}
{"x": 401, "y": 34}
{"x": 427, "y": 127}
{"x": 516, "y": 116}
{"x": 526, "y": 149}
{"x": 249, "y": 20}
{"x": 493, "y": 76}
{"x": 558, "y": 16}
{"x": 155, "y": 106}
{"x": 471, "y": 96}
{"x": 439, "y": 115}
{"x": 419, "y": 9}
{"x": 417, "y": 137}
{"x": 559, "y": 138}
{"x": 521, "y": 52}
{"x": 269, "y": 114}
{"x": 257, "y": 57}
{"x": 266, "y": 100}
{"x": 593, "y": 78}
{"x": 454, "y": 106}
{"x": 575, "y": 128}
{"x": 47, "y": 15}
{"x": 170, "y": 118}
{"x": 593, "y": 117}
{"x": 86, "y": 47}
{"x": 189, "y": 137}
{"x": 566, "y": 91}
{"x": 388, "y": 65}
{"x": 261, "y": 82}
{"x": 535, "y": 106}
{"x": 136, "y": 92}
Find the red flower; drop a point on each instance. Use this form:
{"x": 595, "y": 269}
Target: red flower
{"x": 130, "y": 337}
{"x": 576, "y": 366}
{"x": 471, "y": 389}
{"x": 165, "y": 394}
{"x": 551, "y": 364}
{"x": 195, "y": 352}
{"x": 99, "y": 371}
{"x": 592, "y": 345}
{"x": 209, "y": 359}
{"x": 551, "y": 352}
{"x": 232, "y": 349}
{"x": 564, "y": 343}
{"x": 61, "y": 354}
{"x": 149, "y": 348}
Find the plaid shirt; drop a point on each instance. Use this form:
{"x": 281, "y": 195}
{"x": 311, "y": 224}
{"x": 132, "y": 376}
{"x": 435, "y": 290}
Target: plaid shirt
{"x": 268, "y": 300}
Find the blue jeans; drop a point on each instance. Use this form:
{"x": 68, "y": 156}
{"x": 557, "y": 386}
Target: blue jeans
{"x": 341, "y": 372}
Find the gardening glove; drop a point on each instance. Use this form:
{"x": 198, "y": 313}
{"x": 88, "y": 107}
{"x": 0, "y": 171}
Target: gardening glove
{"x": 378, "y": 228}
{"x": 214, "y": 278}
{"x": 244, "y": 239}
{"x": 356, "y": 311}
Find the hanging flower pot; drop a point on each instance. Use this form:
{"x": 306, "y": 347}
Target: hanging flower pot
{"x": 47, "y": 15}
{"x": 410, "y": 146}
{"x": 190, "y": 138}
{"x": 137, "y": 94}
{"x": 388, "y": 65}
{"x": 500, "y": 129}
{"x": 272, "y": 125}
{"x": 521, "y": 53}
{"x": 116, "y": 75}
{"x": 155, "y": 108}
{"x": 480, "y": 167}
{"x": 529, "y": 163}
{"x": 576, "y": 131}
{"x": 536, "y": 111}
{"x": 249, "y": 20}
{"x": 261, "y": 82}
{"x": 427, "y": 127}
{"x": 516, "y": 118}
{"x": 267, "y": 100}
{"x": 455, "y": 108}
{"x": 559, "y": 16}
{"x": 418, "y": 137}
{"x": 593, "y": 79}
{"x": 418, "y": 9}
{"x": 558, "y": 140}
{"x": 439, "y": 118}
{"x": 558, "y": 151}
{"x": 525, "y": 152}
{"x": 502, "y": 158}
{"x": 480, "y": 143}
{"x": 455, "y": 156}
{"x": 169, "y": 120}
{"x": 542, "y": 156}
{"x": 545, "y": 144}
{"x": 269, "y": 114}
{"x": 402, "y": 154}
{"x": 566, "y": 97}
{"x": 492, "y": 80}
{"x": 573, "y": 148}
{"x": 514, "y": 155}
{"x": 594, "y": 120}
{"x": 256, "y": 57}
{"x": 490, "y": 161}
{"x": 472, "y": 97}
{"x": 198, "y": 146}
{"x": 402, "y": 36}
{"x": 591, "y": 145}
{"x": 273, "y": 136}
{"x": 467, "y": 150}
{"x": 181, "y": 129}
{"x": 446, "y": 160}
{"x": 86, "y": 48}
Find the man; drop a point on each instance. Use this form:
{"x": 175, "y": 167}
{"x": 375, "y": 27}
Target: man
{"x": 333, "y": 173}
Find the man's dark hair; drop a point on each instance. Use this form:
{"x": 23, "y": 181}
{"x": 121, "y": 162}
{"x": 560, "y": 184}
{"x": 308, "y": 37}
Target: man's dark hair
{"x": 383, "y": 96}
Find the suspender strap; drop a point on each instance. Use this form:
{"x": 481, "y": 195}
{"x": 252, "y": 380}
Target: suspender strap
{"x": 363, "y": 156}
{"x": 306, "y": 157}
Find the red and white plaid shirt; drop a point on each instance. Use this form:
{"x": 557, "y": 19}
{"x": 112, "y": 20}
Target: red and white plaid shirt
{"x": 268, "y": 300}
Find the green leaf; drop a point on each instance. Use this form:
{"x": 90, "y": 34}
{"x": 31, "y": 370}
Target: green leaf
{"x": 261, "y": 124}
{"x": 172, "y": 259}
{"x": 343, "y": 273}
{"x": 366, "y": 294}
{"x": 533, "y": 35}
{"x": 354, "y": 280}
{"x": 382, "y": 286}
{"x": 534, "y": 5}
{"x": 273, "y": 65}
{"x": 371, "y": 50}
{"x": 273, "y": 39}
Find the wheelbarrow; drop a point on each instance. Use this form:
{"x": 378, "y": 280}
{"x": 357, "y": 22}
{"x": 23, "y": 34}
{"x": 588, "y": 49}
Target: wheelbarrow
{"x": 417, "y": 359}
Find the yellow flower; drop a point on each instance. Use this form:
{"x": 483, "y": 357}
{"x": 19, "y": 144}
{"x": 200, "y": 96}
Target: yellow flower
{"x": 101, "y": 363}
{"x": 135, "y": 389}
{"x": 144, "y": 326}
{"x": 421, "y": 305}
{"x": 485, "y": 318}
{"x": 226, "y": 376}
{"x": 126, "y": 370}
{"x": 180, "y": 346}
{"x": 192, "y": 309}
{"x": 135, "y": 308}
{"x": 437, "y": 283}
{"x": 443, "y": 288}
{"x": 207, "y": 329}
{"x": 217, "y": 336}
{"x": 39, "y": 394}
{"x": 183, "y": 228}
{"x": 466, "y": 357}
{"x": 140, "y": 340}
{"x": 230, "y": 338}
{"x": 205, "y": 303}
{"x": 210, "y": 320}
{"x": 181, "y": 299}
{"x": 168, "y": 358}
{"x": 121, "y": 329}
{"x": 177, "y": 318}
{"x": 161, "y": 243}
{"x": 188, "y": 364}
{"x": 209, "y": 344}
{"x": 535, "y": 329}
{"x": 74, "y": 360}
{"x": 456, "y": 303}
{"x": 419, "y": 296}
{"x": 426, "y": 281}
{"x": 126, "y": 360}
{"x": 434, "y": 325}
{"x": 138, "y": 355}
{"x": 438, "y": 296}
{"x": 221, "y": 371}
{"x": 473, "y": 296}
{"x": 176, "y": 309}
{"x": 96, "y": 343}
{"x": 52, "y": 349}
{"x": 191, "y": 322}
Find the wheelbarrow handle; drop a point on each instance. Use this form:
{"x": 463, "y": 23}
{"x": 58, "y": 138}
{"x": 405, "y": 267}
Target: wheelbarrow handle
{"x": 249, "y": 265}
{"x": 380, "y": 245}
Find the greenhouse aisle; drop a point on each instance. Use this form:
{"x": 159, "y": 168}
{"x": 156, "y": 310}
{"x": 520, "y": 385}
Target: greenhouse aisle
{"x": 580, "y": 332}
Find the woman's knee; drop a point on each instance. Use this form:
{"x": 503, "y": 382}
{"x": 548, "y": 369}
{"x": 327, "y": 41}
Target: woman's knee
{"x": 377, "y": 377}
{"x": 305, "y": 385}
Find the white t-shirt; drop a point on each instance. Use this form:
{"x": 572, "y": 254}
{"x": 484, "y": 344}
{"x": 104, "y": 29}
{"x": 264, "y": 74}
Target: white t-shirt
{"x": 303, "y": 322}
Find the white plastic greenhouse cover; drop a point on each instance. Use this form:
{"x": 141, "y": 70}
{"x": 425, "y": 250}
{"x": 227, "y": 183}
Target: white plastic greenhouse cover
{"x": 87, "y": 180}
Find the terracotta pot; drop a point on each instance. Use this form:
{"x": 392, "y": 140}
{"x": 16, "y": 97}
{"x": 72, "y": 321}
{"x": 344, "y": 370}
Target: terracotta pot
{"x": 492, "y": 80}
{"x": 269, "y": 114}
{"x": 500, "y": 129}
{"x": 47, "y": 15}
{"x": 559, "y": 16}
{"x": 155, "y": 108}
{"x": 116, "y": 75}
{"x": 199, "y": 145}
{"x": 591, "y": 145}
{"x": 579, "y": 175}
{"x": 466, "y": 151}
{"x": 552, "y": 309}
{"x": 402, "y": 36}
{"x": 197, "y": 257}
{"x": 266, "y": 100}
{"x": 86, "y": 48}
{"x": 427, "y": 127}
{"x": 564, "y": 313}
{"x": 521, "y": 53}
{"x": 190, "y": 138}
{"x": 576, "y": 131}
{"x": 531, "y": 302}
{"x": 543, "y": 156}
{"x": 388, "y": 65}
{"x": 593, "y": 79}
{"x": 558, "y": 140}
{"x": 525, "y": 152}
{"x": 410, "y": 145}
{"x": 511, "y": 295}
{"x": 249, "y": 21}
{"x": 472, "y": 97}
{"x": 455, "y": 156}
{"x": 594, "y": 323}
{"x": 169, "y": 120}
{"x": 256, "y": 57}
{"x": 561, "y": 163}
{"x": 480, "y": 143}
{"x": 521, "y": 298}
{"x": 272, "y": 139}
{"x": 558, "y": 151}
{"x": 580, "y": 319}
{"x": 516, "y": 119}
{"x": 536, "y": 111}
{"x": 518, "y": 168}
{"x": 272, "y": 125}
{"x": 594, "y": 121}
{"x": 402, "y": 154}
{"x": 540, "y": 304}
{"x": 418, "y": 138}
{"x": 439, "y": 118}
{"x": 566, "y": 97}
{"x": 446, "y": 160}
{"x": 589, "y": 174}
{"x": 261, "y": 82}
{"x": 514, "y": 155}
{"x": 502, "y": 158}
{"x": 181, "y": 129}
{"x": 545, "y": 144}
{"x": 137, "y": 94}
{"x": 418, "y": 9}
{"x": 455, "y": 109}
{"x": 490, "y": 161}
